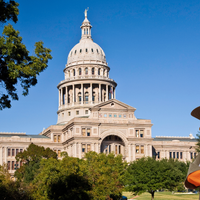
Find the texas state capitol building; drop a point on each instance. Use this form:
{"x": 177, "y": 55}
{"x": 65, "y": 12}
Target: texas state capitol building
{"x": 91, "y": 119}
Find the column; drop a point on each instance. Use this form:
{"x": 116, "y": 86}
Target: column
{"x": 112, "y": 94}
{"x": 61, "y": 96}
{"x": 81, "y": 93}
{"x": 93, "y": 147}
{"x": 66, "y": 93}
{"x": 72, "y": 94}
{"x": 99, "y": 92}
{"x": 150, "y": 150}
{"x": 90, "y": 93}
{"x": 107, "y": 93}
{"x": 5, "y": 152}
{"x": 79, "y": 153}
{"x": 133, "y": 152}
{"x": 75, "y": 155}
{"x": 146, "y": 150}
{"x": 129, "y": 153}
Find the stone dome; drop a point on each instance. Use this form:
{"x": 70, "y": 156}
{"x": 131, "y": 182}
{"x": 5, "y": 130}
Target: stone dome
{"x": 86, "y": 51}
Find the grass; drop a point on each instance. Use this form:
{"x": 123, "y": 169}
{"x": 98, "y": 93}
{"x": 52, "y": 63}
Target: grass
{"x": 163, "y": 196}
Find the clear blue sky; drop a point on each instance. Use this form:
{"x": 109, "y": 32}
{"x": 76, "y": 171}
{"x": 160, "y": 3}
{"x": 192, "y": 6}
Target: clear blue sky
{"x": 152, "y": 48}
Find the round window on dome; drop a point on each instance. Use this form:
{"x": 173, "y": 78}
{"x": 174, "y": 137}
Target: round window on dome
{"x": 92, "y": 50}
{"x": 80, "y": 50}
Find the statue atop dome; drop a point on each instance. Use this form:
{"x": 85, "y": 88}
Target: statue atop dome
{"x": 86, "y": 12}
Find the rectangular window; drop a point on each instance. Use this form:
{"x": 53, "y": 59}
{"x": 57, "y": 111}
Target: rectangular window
{"x": 17, "y": 151}
{"x": 13, "y": 152}
{"x": 116, "y": 149}
{"x": 8, "y": 164}
{"x": 124, "y": 116}
{"x": 158, "y": 155}
{"x": 21, "y": 150}
{"x": 109, "y": 148}
{"x": 69, "y": 113}
{"x": 58, "y": 138}
{"x": 136, "y": 133}
{"x": 170, "y": 154}
{"x": 191, "y": 155}
{"x": 86, "y": 112}
{"x": 8, "y": 152}
{"x": 142, "y": 149}
{"x": 174, "y": 156}
{"x": 83, "y": 132}
{"x": 177, "y": 155}
{"x": 88, "y": 147}
{"x": 83, "y": 148}
{"x": 137, "y": 148}
{"x": 181, "y": 155}
{"x": 88, "y": 131}
{"x": 59, "y": 153}
{"x": 195, "y": 155}
{"x": 77, "y": 112}
{"x": 141, "y": 133}
{"x": 119, "y": 149}
{"x": 55, "y": 138}
{"x": 17, "y": 165}
{"x": 13, "y": 165}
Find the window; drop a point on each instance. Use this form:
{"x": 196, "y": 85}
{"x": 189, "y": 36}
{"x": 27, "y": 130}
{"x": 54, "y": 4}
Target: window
{"x": 13, "y": 152}
{"x": 174, "y": 155}
{"x": 97, "y": 51}
{"x": 99, "y": 70}
{"x": 170, "y": 154}
{"x": 8, "y": 152}
{"x": 181, "y": 155}
{"x": 83, "y": 132}
{"x": 104, "y": 72}
{"x": 86, "y": 112}
{"x": 75, "y": 52}
{"x": 137, "y": 148}
{"x": 177, "y": 155}
{"x": 74, "y": 72}
{"x": 83, "y": 148}
{"x": 86, "y": 71}
{"x": 141, "y": 133}
{"x": 115, "y": 115}
{"x": 69, "y": 113}
{"x": 110, "y": 115}
{"x": 93, "y": 71}
{"x": 17, "y": 165}
{"x": 88, "y": 131}
{"x": 105, "y": 115}
{"x": 58, "y": 138}
{"x": 59, "y": 153}
{"x": 77, "y": 112}
{"x": 191, "y": 155}
{"x": 158, "y": 155}
{"x": 116, "y": 149}
{"x": 142, "y": 149}
{"x": 88, "y": 147}
{"x": 136, "y": 133}
{"x": 109, "y": 148}
{"x": 80, "y": 50}
{"x": 119, "y": 149}
{"x": 195, "y": 155}
{"x": 13, "y": 164}
{"x": 79, "y": 97}
{"x": 17, "y": 151}
{"x": 21, "y": 150}
{"x": 120, "y": 116}
{"x": 92, "y": 50}
{"x": 124, "y": 116}
{"x": 86, "y": 96}
{"x": 93, "y": 97}
{"x": 8, "y": 164}
{"x": 86, "y": 50}
{"x": 79, "y": 71}
{"x": 55, "y": 138}
{"x": 21, "y": 163}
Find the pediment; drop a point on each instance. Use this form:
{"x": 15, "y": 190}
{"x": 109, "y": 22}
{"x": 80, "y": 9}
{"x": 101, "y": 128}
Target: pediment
{"x": 113, "y": 104}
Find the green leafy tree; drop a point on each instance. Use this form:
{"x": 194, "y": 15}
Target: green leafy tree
{"x": 31, "y": 161}
{"x": 198, "y": 142}
{"x": 106, "y": 174}
{"x": 16, "y": 65}
{"x": 61, "y": 179}
{"x": 148, "y": 174}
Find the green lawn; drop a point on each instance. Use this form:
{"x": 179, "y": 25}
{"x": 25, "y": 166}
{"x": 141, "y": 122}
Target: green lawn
{"x": 163, "y": 196}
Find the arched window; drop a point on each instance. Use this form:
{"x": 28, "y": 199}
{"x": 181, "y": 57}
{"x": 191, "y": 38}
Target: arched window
{"x": 79, "y": 71}
{"x": 79, "y": 97}
{"x": 80, "y": 50}
{"x": 86, "y": 50}
{"x": 69, "y": 73}
{"x": 93, "y": 96}
{"x": 87, "y": 31}
{"x": 99, "y": 71}
{"x": 86, "y": 97}
{"x": 92, "y": 50}
{"x": 74, "y": 72}
{"x": 84, "y": 31}
{"x": 97, "y": 51}
{"x": 93, "y": 71}
{"x": 86, "y": 71}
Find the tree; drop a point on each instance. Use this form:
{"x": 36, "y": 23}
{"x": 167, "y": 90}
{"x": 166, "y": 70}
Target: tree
{"x": 198, "y": 143}
{"x": 16, "y": 65}
{"x": 106, "y": 174}
{"x": 31, "y": 161}
{"x": 148, "y": 174}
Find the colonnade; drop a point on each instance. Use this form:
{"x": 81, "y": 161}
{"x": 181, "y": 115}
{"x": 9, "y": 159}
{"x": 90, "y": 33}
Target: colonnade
{"x": 84, "y": 93}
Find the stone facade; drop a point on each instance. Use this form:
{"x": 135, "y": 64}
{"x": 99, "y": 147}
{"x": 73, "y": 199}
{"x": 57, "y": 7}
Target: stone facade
{"x": 90, "y": 118}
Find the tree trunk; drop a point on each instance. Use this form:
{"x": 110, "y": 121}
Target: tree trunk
{"x": 152, "y": 195}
